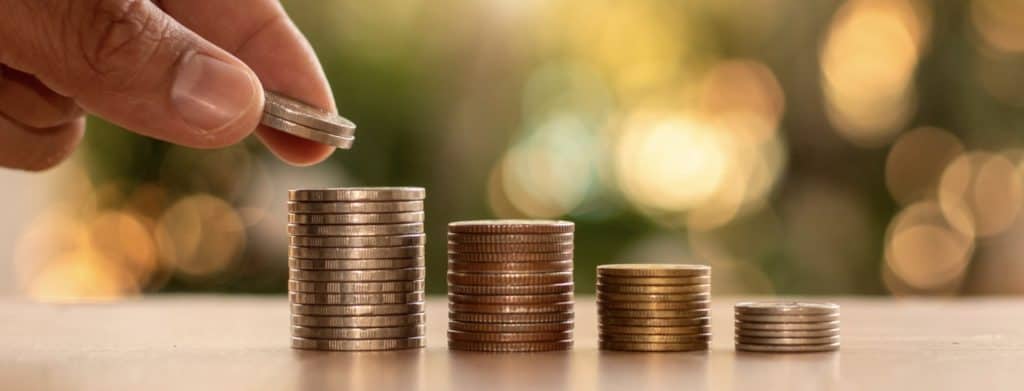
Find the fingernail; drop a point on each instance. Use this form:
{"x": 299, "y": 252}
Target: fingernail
{"x": 210, "y": 94}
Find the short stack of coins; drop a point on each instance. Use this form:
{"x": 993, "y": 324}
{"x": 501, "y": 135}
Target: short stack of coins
{"x": 510, "y": 285}
{"x": 307, "y": 121}
{"x": 787, "y": 327}
{"x": 654, "y": 307}
{"x": 356, "y": 268}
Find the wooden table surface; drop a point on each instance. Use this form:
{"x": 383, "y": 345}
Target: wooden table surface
{"x": 225, "y": 342}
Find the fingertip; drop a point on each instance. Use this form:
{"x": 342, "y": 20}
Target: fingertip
{"x": 294, "y": 150}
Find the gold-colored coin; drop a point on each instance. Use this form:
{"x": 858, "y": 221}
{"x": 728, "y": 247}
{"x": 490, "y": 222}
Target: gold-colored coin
{"x": 504, "y": 267}
{"x": 510, "y": 327}
{"x": 409, "y": 274}
{"x": 358, "y": 321}
{"x": 786, "y": 308}
{"x": 454, "y": 335}
{"x": 455, "y": 247}
{"x": 616, "y": 313}
{"x": 351, "y": 345}
{"x": 355, "y": 298}
{"x": 788, "y": 333}
{"x": 355, "y": 230}
{"x": 786, "y": 318}
{"x": 653, "y": 347}
{"x": 510, "y": 299}
{"x": 509, "y": 278}
{"x": 358, "y": 194}
{"x": 509, "y": 238}
{"x": 511, "y": 227}
{"x": 356, "y": 218}
{"x": 655, "y": 322}
{"x": 543, "y": 289}
{"x": 650, "y": 338}
{"x": 355, "y": 264}
{"x": 640, "y": 298}
{"x": 786, "y": 341}
{"x": 358, "y": 241}
{"x": 510, "y": 257}
{"x": 355, "y": 207}
{"x": 653, "y": 270}
{"x": 357, "y": 310}
{"x": 787, "y": 326}
{"x": 509, "y": 347}
{"x": 471, "y": 317}
{"x": 511, "y": 308}
{"x": 641, "y": 330}
{"x": 358, "y": 333}
{"x": 355, "y": 253}
{"x": 686, "y": 285}
{"x": 355, "y": 287}
{"x": 787, "y": 348}
{"x": 654, "y": 305}
{"x": 645, "y": 281}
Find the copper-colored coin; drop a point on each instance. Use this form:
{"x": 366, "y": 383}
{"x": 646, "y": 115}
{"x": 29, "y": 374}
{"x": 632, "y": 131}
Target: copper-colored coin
{"x": 656, "y": 322}
{"x": 616, "y": 313}
{"x": 358, "y": 241}
{"x": 511, "y": 308}
{"x": 510, "y": 299}
{"x": 355, "y": 252}
{"x": 357, "y": 310}
{"x": 651, "y": 338}
{"x": 788, "y": 333}
{"x": 653, "y": 347}
{"x": 787, "y": 348}
{"x": 509, "y": 347}
{"x": 355, "y": 287}
{"x": 787, "y": 318}
{"x": 564, "y": 287}
{"x": 351, "y": 345}
{"x": 786, "y": 341}
{"x": 655, "y": 281}
{"x": 786, "y": 308}
{"x": 510, "y": 327}
{"x": 358, "y": 333}
{"x": 454, "y": 335}
{"x": 511, "y": 227}
{"x": 355, "y": 207}
{"x": 355, "y": 264}
{"x": 642, "y": 330}
{"x": 358, "y": 194}
{"x": 355, "y": 298}
{"x": 685, "y": 285}
{"x": 653, "y": 270}
{"x": 640, "y": 298}
{"x": 355, "y": 230}
{"x": 409, "y": 274}
{"x": 509, "y": 278}
{"x": 358, "y": 321}
{"x": 503, "y": 267}
{"x": 787, "y": 326}
{"x": 471, "y": 317}
{"x": 509, "y": 238}
{"x": 654, "y": 305}
{"x": 455, "y": 247}
{"x": 510, "y": 257}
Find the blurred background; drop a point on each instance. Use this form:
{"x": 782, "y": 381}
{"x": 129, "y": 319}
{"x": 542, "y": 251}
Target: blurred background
{"x": 826, "y": 147}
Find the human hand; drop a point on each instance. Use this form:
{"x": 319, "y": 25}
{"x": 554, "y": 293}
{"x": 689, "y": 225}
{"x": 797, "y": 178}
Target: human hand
{"x": 185, "y": 71}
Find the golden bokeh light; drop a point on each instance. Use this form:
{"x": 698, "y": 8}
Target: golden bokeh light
{"x": 81, "y": 276}
{"x": 999, "y": 24}
{"x": 200, "y": 235}
{"x": 868, "y": 61}
{"x": 125, "y": 240}
{"x": 916, "y": 161}
{"x": 745, "y": 92}
{"x": 986, "y": 187}
{"x": 923, "y": 250}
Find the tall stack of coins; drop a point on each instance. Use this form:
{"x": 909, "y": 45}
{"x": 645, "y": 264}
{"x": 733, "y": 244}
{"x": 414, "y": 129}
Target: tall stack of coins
{"x": 309, "y": 122}
{"x": 356, "y": 268}
{"x": 787, "y": 327}
{"x": 510, "y": 285}
{"x": 654, "y": 307}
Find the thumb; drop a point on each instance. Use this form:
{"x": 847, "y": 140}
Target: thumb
{"x": 129, "y": 62}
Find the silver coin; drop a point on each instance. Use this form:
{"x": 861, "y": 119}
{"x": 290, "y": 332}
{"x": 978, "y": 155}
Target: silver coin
{"x": 510, "y": 238}
{"x": 413, "y": 273}
{"x": 787, "y": 348}
{"x": 355, "y": 287}
{"x": 358, "y": 241}
{"x": 351, "y": 345}
{"x": 786, "y": 341}
{"x": 357, "y": 310}
{"x": 306, "y": 132}
{"x": 355, "y": 230}
{"x": 358, "y": 333}
{"x": 355, "y": 253}
{"x": 787, "y": 333}
{"x": 786, "y": 308}
{"x": 787, "y": 326}
{"x": 355, "y": 264}
{"x": 786, "y": 318}
{"x": 358, "y": 194}
{"x": 355, "y": 207}
{"x": 355, "y": 298}
{"x": 358, "y": 321}
{"x": 356, "y": 218}
{"x": 305, "y": 114}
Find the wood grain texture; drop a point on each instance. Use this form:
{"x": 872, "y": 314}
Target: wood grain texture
{"x": 241, "y": 343}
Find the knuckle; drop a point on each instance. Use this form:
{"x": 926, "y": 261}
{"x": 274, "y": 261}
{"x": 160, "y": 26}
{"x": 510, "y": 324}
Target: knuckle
{"x": 120, "y": 38}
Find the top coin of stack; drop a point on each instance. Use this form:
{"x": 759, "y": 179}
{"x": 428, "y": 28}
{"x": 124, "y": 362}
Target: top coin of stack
{"x": 356, "y": 268}
{"x": 309, "y": 122}
{"x": 510, "y": 285}
{"x": 787, "y": 327}
{"x": 654, "y": 307}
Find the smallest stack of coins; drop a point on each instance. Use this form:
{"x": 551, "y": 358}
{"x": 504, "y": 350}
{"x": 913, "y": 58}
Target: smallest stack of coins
{"x": 307, "y": 121}
{"x": 356, "y": 268}
{"x": 787, "y": 327}
{"x": 654, "y": 307}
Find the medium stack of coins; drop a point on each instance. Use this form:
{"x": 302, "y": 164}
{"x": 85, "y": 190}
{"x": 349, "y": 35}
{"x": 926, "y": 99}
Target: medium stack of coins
{"x": 309, "y": 122}
{"x": 789, "y": 327}
{"x": 510, "y": 285}
{"x": 654, "y": 307}
{"x": 356, "y": 268}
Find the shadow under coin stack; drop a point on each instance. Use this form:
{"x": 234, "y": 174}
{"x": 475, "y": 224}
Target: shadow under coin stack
{"x": 787, "y": 327}
{"x": 309, "y": 122}
{"x": 510, "y": 285}
{"x": 654, "y": 307}
{"x": 356, "y": 268}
